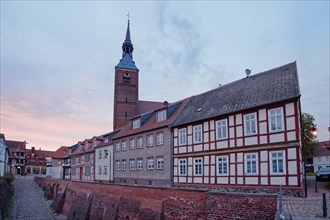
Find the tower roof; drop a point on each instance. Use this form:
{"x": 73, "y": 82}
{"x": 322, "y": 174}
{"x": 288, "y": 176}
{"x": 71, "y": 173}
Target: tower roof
{"x": 127, "y": 63}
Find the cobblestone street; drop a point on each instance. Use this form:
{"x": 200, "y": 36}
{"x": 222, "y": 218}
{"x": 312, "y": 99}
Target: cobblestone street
{"x": 309, "y": 208}
{"x": 28, "y": 201}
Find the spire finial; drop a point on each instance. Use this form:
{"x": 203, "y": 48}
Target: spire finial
{"x": 127, "y": 17}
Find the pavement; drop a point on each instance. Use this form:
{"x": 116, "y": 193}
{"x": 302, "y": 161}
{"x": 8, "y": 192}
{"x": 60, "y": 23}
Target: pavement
{"x": 29, "y": 203}
{"x": 310, "y": 208}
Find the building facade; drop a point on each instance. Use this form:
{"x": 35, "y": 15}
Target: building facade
{"x": 143, "y": 148}
{"x": 245, "y": 133}
{"x": 321, "y": 157}
{"x": 17, "y": 156}
{"x": 36, "y": 161}
{"x": 4, "y": 156}
{"x": 58, "y": 163}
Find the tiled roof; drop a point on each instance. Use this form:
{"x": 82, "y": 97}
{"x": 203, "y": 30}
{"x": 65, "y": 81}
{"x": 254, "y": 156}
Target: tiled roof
{"x": 173, "y": 110}
{"x": 321, "y": 149}
{"x": 61, "y": 152}
{"x": 127, "y": 63}
{"x": 148, "y": 106}
{"x": 275, "y": 85}
{"x": 110, "y": 137}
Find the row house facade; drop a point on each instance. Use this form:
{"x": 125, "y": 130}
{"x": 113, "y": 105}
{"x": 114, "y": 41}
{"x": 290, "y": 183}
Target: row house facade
{"x": 103, "y": 154}
{"x": 17, "y": 156}
{"x": 320, "y": 158}
{"x": 58, "y": 163}
{"x": 36, "y": 161}
{"x": 143, "y": 148}
{"x": 82, "y": 159}
{"x": 245, "y": 133}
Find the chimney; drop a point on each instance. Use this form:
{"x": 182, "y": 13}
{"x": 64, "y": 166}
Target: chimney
{"x": 165, "y": 103}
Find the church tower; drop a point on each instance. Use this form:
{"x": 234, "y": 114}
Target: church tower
{"x": 126, "y": 85}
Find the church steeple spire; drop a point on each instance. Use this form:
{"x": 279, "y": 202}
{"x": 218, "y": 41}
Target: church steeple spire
{"x": 127, "y": 45}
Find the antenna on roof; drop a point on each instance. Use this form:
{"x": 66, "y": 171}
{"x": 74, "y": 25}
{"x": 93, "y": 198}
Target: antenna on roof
{"x": 247, "y": 72}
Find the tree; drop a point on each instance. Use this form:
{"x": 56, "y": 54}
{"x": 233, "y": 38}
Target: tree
{"x": 308, "y": 129}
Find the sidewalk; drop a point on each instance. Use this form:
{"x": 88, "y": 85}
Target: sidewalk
{"x": 309, "y": 208}
{"x": 28, "y": 201}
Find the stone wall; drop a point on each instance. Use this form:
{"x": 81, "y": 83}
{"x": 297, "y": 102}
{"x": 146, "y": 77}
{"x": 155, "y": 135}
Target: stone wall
{"x": 78, "y": 200}
{"x": 6, "y": 190}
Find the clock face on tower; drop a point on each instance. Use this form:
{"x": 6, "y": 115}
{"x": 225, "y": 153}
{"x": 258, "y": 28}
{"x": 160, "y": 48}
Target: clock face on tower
{"x": 126, "y": 78}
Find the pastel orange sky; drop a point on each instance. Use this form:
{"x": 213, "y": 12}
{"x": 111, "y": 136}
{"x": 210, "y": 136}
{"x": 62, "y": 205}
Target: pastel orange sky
{"x": 58, "y": 58}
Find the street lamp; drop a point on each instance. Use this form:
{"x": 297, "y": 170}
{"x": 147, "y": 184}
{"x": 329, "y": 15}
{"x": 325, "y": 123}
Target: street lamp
{"x": 313, "y": 131}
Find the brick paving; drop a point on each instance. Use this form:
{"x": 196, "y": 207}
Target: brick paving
{"x": 29, "y": 203}
{"x": 309, "y": 208}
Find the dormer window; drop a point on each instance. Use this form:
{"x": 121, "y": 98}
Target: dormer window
{"x": 136, "y": 123}
{"x": 106, "y": 140}
{"x": 126, "y": 78}
{"x": 161, "y": 116}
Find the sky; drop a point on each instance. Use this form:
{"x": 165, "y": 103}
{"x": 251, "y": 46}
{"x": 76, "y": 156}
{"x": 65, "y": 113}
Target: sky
{"x": 58, "y": 58}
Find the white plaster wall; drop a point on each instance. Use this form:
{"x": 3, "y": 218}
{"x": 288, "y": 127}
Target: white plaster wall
{"x": 212, "y": 147}
{"x": 292, "y": 167}
{"x": 251, "y": 180}
{"x": 262, "y": 114}
{"x": 175, "y": 144}
{"x": 276, "y": 138}
{"x": 232, "y": 169}
{"x": 292, "y": 153}
{"x": 182, "y": 150}
{"x": 264, "y": 168}
{"x": 239, "y": 157}
{"x": 206, "y": 180}
{"x": 289, "y": 109}
{"x": 175, "y": 132}
{"x": 206, "y": 137}
{"x": 231, "y": 132}
{"x": 262, "y": 128}
{"x": 239, "y": 169}
{"x": 239, "y": 180}
{"x": 264, "y": 180}
{"x": 239, "y": 142}
{"x": 239, "y": 131}
{"x": 291, "y": 136}
{"x": 222, "y": 144}
{"x": 206, "y": 126}
{"x": 206, "y": 147}
{"x": 212, "y": 135}
{"x": 232, "y": 180}
{"x": 251, "y": 141}
{"x": 231, "y": 120}
{"x": 293, "y": 181}
{"x": 277, "y": 181}
{"x": 212, "y": 125}
{"x": 238, "y": 119}
{"x": 290, "y": 124}
{"x": 198, "y": 147}
{"x": 232, "y": 143}
{"x": 189, "y": 139}
{"x": 263, "y": 139}
{"x": 198, "y": 180}
{"x": 222, "y": 180}
{"x": 264, "y": 155}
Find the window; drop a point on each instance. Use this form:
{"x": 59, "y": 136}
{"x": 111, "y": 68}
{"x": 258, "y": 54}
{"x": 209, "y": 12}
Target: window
{"x": 118, "y": 146}
{"x": 150, "y": 140}
{"x": 251, "y": 163}
{"x": 73, "y": 173}
{"x": 139, "y": 163}
{"x": 198, "y": 134}
{"x": 160, "y": 138}
{"x": 160, "y": 163}
{"x": 182, "y": 136}
{"x": 117, "y": 165}
{"x": 132, "y": 144}
{"x": 100, "y": 154}
{"x": 123, "y": 164}
{"x": 126, "y": 78}
{"x": 87, "y": 158}
{"x": 221, "y": 129}
{"x": 136, "y": 123}
{"x": 275, "y": 119}
{"x": 182, "y": 167}
{"x": 222, "y": 165}
{"x": 73, "y": 160}
{"x": 87, "y": 171}
{"x": 150, "y": 162}
{"x": 100, "y": 169}
{"x": 105, "y": 169}
{"x": 198, "y": 166}
{"x": 123, "y": 145}
{"x": 105, "y": 153}
{"x": 79, "y": 159}
{"x": 250, "y": 124}
{"x": 277, "y": 162}
{"x": 132, "y": 164}
{"x": 161, "y": 116}
{"x": 106, "y": 140}
{"x": 140, "y": 142}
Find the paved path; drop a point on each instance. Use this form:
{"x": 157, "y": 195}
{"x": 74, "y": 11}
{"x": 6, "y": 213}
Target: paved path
{"x": 28, "y": 202}
{"x": 309, "y": 208}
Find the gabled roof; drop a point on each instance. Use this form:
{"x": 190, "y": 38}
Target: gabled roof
{"x": 150, "y": 123}
{"x": 321, "y": 149}
{"x": 61, "y": 152}
{"x": 127, "y": 63}
{"x": 148, "y": 106}
{"x": 275, "y": 85}
{"x": 110, "y": 137}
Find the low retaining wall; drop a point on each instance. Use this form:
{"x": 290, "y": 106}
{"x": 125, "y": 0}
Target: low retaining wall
{"x": 80, "y": 200}
{"x": 6, "y": 190}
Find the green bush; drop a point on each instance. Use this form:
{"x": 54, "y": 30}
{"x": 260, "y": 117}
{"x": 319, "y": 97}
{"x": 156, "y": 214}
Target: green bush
{"x": 9, "y": 177}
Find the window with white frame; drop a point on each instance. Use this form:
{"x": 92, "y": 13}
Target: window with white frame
{"x": 160, "y": 163}
{"x": 100, "y": 154}
{"x": 221, "y": 129}
{"x": 160, "y": 138}
{"x": 73, "y": 171}
{"x": 277, "y": 162}
{"x": 222, "y": 165}
{"x": 132, "y": 164}
{"x": 136, "y": 123}
{"x": 87, "y": 158}
{"x": 117, "y": 164}
{"x": 105, "y": 169}
{"x": 123, "y": 145}
{"x": 275, "y": 119}
{"x": 100, "y": 169}
{"x": 73, "y": 160}
{"x": 161, "y": 116}
{"x": 87, "y": 171}
{"x": 251, "y": 163}
{"x": 118, "y": 146}
{"x": 198, "y": 134}
{"x": 250, "y": 124}
{"x": 198, "y": 166}
{"x": 139, "y": 142}
{"x": 105, "y": 153}
{"x": 139, "y": 164}
{"x": 79, "y": 159}
{"x": 182, "y": 136}
{"x": 132, "y": 144}
{"x": 150, "y": 140}
{"x": 182, "y": 167}
{"x": 150, "y": 162}
{"x": 123, "y": 164}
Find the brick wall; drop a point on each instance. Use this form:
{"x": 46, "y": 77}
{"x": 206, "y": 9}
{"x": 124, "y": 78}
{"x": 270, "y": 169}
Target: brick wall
{"x": 79, "y": 200}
